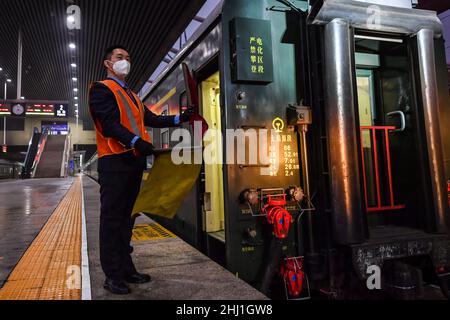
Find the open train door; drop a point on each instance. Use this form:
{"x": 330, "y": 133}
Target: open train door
{"x": 211, "y": 182}
{"x": 388, "y": 182}
{"x": 402, "y": 92}
{"x": 395, "y": 176}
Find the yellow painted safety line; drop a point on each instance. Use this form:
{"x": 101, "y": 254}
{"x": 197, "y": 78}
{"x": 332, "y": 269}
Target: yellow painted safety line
{"x": 151, "y": 231}
{"x": 50, "y": 268}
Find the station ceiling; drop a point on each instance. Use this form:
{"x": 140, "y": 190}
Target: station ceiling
{"x": 148, "y": 28}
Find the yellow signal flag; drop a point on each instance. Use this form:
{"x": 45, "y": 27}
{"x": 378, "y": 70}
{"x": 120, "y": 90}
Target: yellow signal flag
{"x": 165, "y": 187}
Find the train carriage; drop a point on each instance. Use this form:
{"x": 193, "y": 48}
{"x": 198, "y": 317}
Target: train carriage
{"x": 358, "y": 97}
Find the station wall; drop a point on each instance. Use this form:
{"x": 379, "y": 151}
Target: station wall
{"x": 21, "y": 138}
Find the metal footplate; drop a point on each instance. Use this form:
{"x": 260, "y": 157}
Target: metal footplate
{"x": 376, "y": 253}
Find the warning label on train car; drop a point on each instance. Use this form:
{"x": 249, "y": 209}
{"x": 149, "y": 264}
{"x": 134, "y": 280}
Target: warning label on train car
{"x": 287, "y": 155}
{"x": 251, "y": 45}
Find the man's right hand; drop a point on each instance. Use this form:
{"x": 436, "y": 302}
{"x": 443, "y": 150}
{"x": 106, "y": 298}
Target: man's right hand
{"x": 145, "y": 148}
{"x": 186, "y": 115}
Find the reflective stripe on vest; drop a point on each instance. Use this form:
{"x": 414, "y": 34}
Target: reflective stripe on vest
{"x": 130, "y": 115}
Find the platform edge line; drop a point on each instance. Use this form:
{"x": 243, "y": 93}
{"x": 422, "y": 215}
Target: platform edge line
{"x": 85, "y": 274}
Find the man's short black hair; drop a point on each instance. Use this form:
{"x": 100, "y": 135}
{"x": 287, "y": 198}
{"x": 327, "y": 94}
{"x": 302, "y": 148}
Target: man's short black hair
{"x": 110, "y": 50}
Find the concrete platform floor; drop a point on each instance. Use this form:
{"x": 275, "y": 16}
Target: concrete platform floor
{"x": 25, "y": 206}
{"x": 178, "y": 270}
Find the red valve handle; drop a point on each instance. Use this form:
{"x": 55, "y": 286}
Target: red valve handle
{"x": 271, "y": 214}
{"x": 293, "y": 275}
{"x": 283, "y": 221}
{"x": 295, "y": 282}
{"x": 279, "y": 217}
{"x": 276, "y": 202}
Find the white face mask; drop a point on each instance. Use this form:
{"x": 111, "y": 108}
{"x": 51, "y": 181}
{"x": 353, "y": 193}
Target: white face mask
{"x": 122, "y": 67}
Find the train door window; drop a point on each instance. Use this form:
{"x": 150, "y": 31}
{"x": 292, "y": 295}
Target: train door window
{"x": 183, "y": 101}
{"x": 165, "y": 110}
{"x": 165, "y": 144}
{"x": 366, "y": 110}
{"x": 213, "y": 205}
{"x": 165, "y": 133}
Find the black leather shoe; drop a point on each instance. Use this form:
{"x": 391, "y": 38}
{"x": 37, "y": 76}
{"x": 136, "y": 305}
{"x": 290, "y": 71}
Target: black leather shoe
{"x": 138, "y": 278}
{"x": 116, "y": 286}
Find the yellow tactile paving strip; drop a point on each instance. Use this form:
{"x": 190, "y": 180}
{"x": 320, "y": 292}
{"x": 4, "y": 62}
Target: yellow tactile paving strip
{"x": 151, "y": 231}
{"x": 51, "y": 267}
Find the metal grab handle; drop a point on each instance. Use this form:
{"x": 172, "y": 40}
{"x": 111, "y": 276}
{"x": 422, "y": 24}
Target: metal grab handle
{"x": 402, "y": 120}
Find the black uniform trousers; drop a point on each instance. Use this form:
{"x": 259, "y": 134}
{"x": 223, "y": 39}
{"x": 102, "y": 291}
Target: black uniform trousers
{"x": 118, "y": 192}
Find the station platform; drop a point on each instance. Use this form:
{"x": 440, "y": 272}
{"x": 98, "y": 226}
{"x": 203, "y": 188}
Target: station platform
{"x": 49, "y": 250}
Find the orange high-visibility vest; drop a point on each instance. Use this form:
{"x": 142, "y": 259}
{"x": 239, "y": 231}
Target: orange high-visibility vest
{"x": 131, "y": 117}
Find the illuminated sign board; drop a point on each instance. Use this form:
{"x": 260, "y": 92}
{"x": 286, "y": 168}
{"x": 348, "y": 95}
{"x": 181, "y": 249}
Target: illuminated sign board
{"x": 55, "y": 127}
{"x": 5, "y": 109}
{"x": 40, "y": 110}
{"x": 21, "y": 108}
{"x": 61, "y": 110}
{"x": 251, "y": 47}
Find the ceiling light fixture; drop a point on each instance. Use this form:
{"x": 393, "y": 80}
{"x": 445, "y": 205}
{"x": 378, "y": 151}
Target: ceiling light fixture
{"x": 74, "y": 65}
{"x": 72, "y": 46}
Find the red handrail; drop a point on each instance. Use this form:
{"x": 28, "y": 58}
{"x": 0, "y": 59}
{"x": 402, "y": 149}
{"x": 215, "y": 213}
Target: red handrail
{"x": 379, "y": 206}
{"x": 37, "y": 159}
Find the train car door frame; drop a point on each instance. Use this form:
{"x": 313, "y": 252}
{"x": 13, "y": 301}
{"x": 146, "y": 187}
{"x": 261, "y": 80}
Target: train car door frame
{"x": 215, "y": 242}
{"x": 340, "y": 96}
